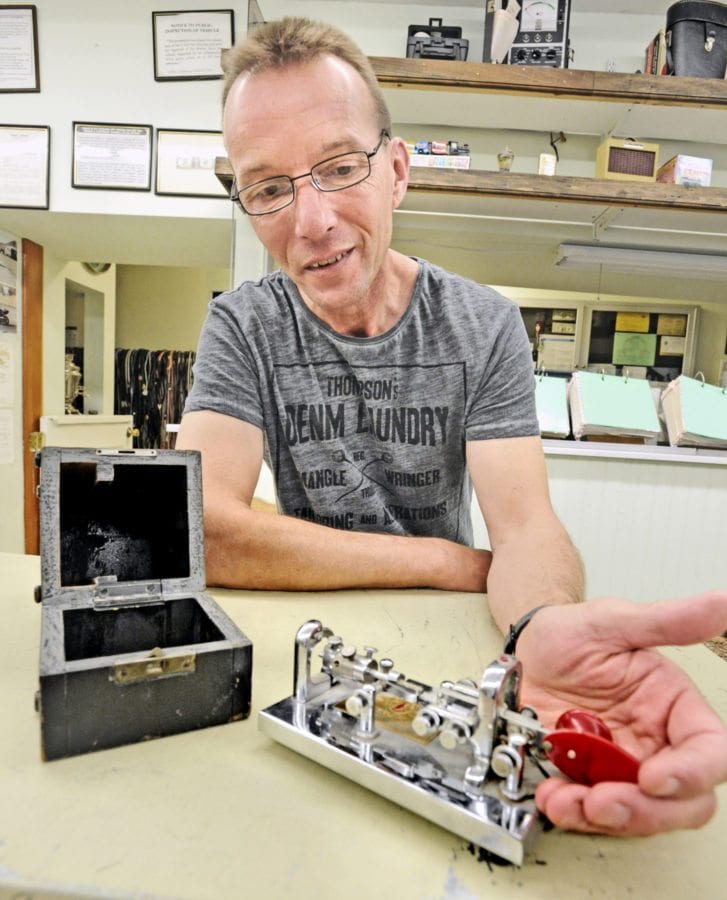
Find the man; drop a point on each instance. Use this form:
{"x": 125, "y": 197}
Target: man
{"x": 377, "y": 386}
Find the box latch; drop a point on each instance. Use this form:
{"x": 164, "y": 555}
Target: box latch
{"x": 156, "y": 665}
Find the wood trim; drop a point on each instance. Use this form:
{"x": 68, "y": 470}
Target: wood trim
{"x": 570, "y": 84}
{"x": 32, "y": 347}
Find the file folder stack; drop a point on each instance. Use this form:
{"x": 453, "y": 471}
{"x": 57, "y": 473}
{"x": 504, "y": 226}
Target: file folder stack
{"x": 695, "y": 413}
{"x": 614, "y": 405}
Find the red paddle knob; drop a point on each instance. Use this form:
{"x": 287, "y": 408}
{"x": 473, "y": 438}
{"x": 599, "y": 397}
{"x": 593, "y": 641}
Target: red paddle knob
{"x": 582, "y": 748}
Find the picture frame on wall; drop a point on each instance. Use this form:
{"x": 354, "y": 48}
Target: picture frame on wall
{"x": 110, "y": 156}
{"x": 188, "y": 44}
{"x": 19, "y": 69}
{"x": 185, "y": 163}
{"x": 25, "y": 166}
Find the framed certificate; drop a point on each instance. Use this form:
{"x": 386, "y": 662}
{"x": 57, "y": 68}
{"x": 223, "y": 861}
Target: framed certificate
{"x": 24, "y": 166}
{"x": 19, "y": 49}
{"x": 186, "y": 163}
{"x": 188, "y": 44}
{"x": 112, "y": 157}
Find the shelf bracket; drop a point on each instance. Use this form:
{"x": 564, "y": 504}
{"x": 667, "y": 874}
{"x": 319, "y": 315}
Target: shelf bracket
{"x": 604, "y": 219}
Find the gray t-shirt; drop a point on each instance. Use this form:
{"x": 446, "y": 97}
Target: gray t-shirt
{"x": 369, "y": 433}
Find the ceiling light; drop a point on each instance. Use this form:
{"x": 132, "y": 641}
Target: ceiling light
{"x": 670, "y": 263}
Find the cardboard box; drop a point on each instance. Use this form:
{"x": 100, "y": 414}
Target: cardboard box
{"x": 439, "y": 161}
{"x": 132, "y": 646}
{"x": 690, "y": 170}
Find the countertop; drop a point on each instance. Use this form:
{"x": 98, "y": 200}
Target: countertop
{"x": 226, "y": 812}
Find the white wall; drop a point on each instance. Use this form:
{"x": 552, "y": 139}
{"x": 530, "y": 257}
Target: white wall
{"x": 96, "y": 65}
{"x": 163, "y": 307}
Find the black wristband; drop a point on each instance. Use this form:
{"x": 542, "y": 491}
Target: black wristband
{"x": 517, "y": 629}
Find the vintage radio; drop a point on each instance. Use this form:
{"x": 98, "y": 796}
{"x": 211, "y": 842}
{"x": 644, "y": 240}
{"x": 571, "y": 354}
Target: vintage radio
{"x": 132, "y": 646}
{"x": 625, "y": 159}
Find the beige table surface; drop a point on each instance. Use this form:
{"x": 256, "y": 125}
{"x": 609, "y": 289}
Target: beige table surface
{"x": 225, "y": 812}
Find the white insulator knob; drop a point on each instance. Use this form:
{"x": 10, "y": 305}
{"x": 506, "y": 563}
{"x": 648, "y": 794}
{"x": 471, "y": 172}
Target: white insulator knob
{"x": 354, "y": 705}
{"x": 423, "y": 725}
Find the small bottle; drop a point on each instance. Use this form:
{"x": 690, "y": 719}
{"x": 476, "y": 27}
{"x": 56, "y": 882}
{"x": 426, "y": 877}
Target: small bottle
{"x": 504, "y": 159}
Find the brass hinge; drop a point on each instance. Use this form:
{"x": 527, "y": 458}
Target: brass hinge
{"x": 156, "y": 665}
{"x": 36, "y": 441}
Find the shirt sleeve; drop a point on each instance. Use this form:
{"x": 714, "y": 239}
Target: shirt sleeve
{"x": 226, "y": 372}
{"x": 503, "y": 403}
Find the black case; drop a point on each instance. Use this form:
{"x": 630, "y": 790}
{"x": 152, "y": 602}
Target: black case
{"x": 696, "y": 36}
{"x": 436, "y": 41}
{"x": 132, "y": 646}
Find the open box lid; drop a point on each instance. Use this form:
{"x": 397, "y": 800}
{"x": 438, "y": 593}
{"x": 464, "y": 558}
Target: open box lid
{"x": 120, "y": 526}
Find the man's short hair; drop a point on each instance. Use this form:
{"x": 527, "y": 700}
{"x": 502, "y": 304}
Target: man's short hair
{"x": 292, "y": 40}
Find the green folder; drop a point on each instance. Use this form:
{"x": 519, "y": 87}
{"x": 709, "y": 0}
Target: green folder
{"x": 612, "y": 404}
{"x": 551, "y": 402}
{"x": 704, "y": 409}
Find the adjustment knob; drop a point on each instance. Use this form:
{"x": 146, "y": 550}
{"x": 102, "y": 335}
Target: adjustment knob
{"x": 451, "y": 735}
{"x": 354, "y": 705}
{"x": 424, "y": 724}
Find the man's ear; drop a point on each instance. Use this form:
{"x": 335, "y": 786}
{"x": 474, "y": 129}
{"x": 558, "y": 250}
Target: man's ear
{"x": 400, "y": 162}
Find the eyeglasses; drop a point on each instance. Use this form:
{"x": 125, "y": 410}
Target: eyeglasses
{"x": 334, "y": 174}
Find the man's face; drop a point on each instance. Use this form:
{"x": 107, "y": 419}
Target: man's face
{"x": 333, "y": 245}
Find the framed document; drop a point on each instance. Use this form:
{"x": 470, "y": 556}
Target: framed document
{"x": 188, "y": 45}
{"x": 24, "y": 166}
{"x": 186, "y": 163}
{"x": 112, "y": 157}
{"x": 19, "y": 49}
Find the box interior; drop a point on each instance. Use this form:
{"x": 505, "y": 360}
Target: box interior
{"x": 92, "y": 632}
{"x": 134, "y": 527}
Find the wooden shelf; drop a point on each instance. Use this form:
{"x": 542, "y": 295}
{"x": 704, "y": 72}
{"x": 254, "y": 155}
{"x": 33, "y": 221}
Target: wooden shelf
{"x": 595, "y": 191}
{"x": 598, "y": 191}
{"x": 569, "y": 84}
{"x": 418, "y": 76}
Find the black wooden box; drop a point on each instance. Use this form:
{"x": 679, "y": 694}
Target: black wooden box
{"x": 132, "y": 647}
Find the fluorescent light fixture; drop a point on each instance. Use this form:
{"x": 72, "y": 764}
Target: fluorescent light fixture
{"x": 670, "y": 263}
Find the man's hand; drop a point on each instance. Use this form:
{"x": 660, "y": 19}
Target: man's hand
{"x": 595, "y": 656}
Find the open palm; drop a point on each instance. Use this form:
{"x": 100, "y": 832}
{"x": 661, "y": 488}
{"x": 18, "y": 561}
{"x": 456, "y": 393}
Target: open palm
{"x": 597, "y": 656}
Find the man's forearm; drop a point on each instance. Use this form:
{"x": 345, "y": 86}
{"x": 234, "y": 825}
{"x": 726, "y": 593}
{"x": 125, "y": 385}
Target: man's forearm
{"x": 259, "y": 550}
{"x": 539, "y": 566}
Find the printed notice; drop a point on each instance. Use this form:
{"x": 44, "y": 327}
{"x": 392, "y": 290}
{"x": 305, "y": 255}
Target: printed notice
{"x": 112, "y": 156}
{"x": 557, "y": 353}
{"x": 18, "y": 62}
{"x": 672, "y": 346}
{"x": 24, "y": 166}
{"x": 190, "y": 44}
